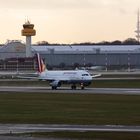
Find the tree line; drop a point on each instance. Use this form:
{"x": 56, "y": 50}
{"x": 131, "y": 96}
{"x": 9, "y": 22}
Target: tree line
{"x": 128, "y": 41}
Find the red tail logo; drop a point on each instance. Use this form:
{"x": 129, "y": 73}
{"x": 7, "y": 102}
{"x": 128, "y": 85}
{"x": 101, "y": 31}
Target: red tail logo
{"x": 41, "y": 65}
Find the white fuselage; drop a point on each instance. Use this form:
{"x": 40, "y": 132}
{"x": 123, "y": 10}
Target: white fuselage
{"x": 70, "y": 76}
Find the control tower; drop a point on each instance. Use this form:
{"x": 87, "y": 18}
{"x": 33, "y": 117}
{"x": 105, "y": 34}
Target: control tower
{"x": 138, "y": 27}
{"x": 28, "y": 31}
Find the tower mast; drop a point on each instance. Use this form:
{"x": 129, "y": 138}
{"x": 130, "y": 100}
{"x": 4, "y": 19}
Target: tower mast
{"x": 138, "y": 26}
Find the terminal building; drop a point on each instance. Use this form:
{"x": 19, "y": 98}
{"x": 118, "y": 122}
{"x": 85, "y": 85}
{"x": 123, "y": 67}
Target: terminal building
{"x": 13, "y": 56}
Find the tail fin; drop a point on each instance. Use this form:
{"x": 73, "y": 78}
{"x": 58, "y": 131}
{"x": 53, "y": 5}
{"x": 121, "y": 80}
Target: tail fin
{"x": 41, "y": 65}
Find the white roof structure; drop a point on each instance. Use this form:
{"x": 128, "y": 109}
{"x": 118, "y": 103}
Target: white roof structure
{"x": 89, "y": 48}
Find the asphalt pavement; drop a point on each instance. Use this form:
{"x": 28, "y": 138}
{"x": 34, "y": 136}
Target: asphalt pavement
{"x": 123, "y": 91}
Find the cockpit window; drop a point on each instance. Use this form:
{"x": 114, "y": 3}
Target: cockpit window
{"x": 85, "y": 75}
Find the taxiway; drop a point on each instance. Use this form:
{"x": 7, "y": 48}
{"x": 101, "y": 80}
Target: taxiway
{"x": 29, "y": 128}
{"x": 124, "y": 91}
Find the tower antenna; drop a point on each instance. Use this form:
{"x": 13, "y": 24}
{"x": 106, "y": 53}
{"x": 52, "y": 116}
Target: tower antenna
{"x": 138, "y": 26}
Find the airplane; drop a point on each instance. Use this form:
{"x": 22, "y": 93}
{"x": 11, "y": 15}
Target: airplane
{"x": 58, "y": 77}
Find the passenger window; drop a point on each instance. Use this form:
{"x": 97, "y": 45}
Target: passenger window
{"x": 85, "y": 75}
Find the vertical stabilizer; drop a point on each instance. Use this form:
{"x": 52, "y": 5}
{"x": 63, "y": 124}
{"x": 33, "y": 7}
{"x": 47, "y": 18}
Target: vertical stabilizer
{"x": 40, "y": 63}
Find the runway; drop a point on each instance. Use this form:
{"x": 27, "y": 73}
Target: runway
{"x": 29, "y": 128}
{"x": 124, "y": 91}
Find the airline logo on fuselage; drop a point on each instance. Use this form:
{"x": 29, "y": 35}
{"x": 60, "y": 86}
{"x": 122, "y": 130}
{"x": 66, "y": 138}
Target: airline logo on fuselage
{"x": 69, "y": 73}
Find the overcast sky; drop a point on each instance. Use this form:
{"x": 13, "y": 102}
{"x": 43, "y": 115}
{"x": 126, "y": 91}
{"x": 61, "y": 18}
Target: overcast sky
{"x": 69, "y": 21}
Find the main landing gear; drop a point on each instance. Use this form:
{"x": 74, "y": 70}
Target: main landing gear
{"x": 73, "y": 87}
{"x": 54, "y": 87}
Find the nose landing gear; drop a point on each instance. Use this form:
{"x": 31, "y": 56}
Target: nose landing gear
{"x": 82, "y": 86}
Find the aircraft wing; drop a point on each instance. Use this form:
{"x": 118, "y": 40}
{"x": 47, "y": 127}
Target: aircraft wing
{"x": 27, "y": 75}
{"x": 96, "y": 75}
{"x": 8, "y": 74}
{"x": 53, "y": 78}
{"x": 37, "y": 76}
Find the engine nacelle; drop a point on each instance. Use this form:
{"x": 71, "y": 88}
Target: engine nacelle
{"x": 55, "y": 84}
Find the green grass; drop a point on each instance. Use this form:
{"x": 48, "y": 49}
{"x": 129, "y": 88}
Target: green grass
{"x": 116, "y": 83}
{"x": 69, "y": 109}
{"x": 72, "y": 109}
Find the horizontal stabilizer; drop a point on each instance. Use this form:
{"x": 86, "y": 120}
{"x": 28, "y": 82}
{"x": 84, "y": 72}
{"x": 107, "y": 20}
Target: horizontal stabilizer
{"x": 24, "y": 77}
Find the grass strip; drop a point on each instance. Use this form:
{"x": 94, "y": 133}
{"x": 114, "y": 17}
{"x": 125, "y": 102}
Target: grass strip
{"x": 120, "y": 83}
{"x": 69, "y": 109}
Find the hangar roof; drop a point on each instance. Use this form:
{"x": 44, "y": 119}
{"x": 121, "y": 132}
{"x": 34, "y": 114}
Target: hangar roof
{"x": 16, "y": 46}
{"x": 89, "y": 48}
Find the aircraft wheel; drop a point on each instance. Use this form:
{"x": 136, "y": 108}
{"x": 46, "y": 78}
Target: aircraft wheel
{"x": 54, "y": 87}
{"x": 73, "y": 87}
{"x": 82, "y": 87}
